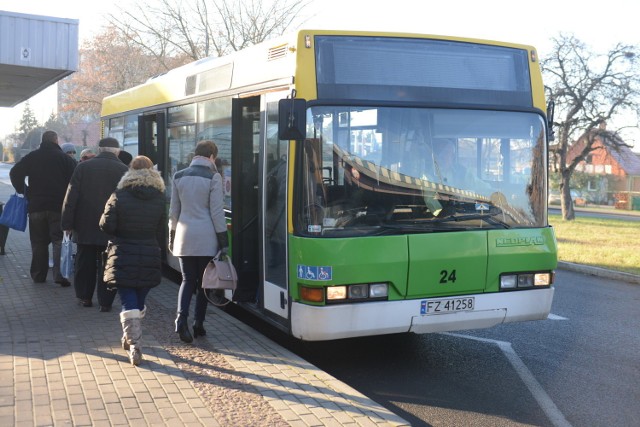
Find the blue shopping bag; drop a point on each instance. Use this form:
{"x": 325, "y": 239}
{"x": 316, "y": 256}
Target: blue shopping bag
{"x": 14, "y": 214}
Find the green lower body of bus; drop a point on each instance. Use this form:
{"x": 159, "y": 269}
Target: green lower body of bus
{"x": 434, "y": 282}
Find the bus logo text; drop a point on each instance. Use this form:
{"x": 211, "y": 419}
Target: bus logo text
{"x": 519, "y": 241}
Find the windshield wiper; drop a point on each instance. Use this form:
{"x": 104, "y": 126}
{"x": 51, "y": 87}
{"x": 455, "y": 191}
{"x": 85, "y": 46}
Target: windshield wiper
{"x": 420, "y": 226}
{"x": 488, "y": 217}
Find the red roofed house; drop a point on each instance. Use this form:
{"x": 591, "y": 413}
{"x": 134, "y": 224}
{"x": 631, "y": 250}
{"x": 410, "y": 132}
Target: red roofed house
{"x": 614, "y": 175}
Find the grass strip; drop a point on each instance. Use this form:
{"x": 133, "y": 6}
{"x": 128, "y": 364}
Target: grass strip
{"x": 598, "y": 242}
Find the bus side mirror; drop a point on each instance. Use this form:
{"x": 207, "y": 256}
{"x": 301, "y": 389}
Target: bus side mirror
{"x": 292, "y": 118}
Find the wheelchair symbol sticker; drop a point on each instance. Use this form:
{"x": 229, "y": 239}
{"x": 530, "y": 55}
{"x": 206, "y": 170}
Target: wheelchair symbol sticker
{"x": 312, "y": 272}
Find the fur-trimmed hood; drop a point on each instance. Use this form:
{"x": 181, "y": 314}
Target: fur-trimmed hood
{"x": 142, "y": 182}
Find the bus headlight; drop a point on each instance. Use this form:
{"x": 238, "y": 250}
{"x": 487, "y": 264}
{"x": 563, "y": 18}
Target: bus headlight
{"x": 508, "y": 281}
{"x": 336, "y": 293}
{"x": 542, "y": 279}
{"x": 358, "y": 291}
{"x": 378, "y": 290}
{"x": 525, "y": 280}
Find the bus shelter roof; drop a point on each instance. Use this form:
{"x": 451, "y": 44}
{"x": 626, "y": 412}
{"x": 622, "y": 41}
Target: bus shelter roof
{"x": 35, "y": 52}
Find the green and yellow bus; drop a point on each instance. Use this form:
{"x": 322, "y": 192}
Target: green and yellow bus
{"x": 375, "y": 183}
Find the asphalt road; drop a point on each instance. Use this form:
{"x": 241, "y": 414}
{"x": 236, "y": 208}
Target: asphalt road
{"x": 581, "y": 367}
{"x": 4, "y": 173}
{"x": 602, "y": 213}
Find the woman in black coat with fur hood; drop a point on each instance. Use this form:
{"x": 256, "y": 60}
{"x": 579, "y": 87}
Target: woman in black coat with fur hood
{"x": 134, "y": 218}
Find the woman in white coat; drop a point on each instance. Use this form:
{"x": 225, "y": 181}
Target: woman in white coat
{"x": 197, "y": 231}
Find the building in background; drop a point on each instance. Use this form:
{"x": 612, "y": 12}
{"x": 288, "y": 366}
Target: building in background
{"x": 613, "y": 175}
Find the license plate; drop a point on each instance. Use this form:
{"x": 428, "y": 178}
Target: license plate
{"x": 449, "y": 305}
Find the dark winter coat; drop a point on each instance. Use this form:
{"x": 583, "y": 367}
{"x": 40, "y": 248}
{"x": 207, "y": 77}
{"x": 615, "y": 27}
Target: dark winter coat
{"x": 134, "y": 217}
{"x": 92, "y": 183}
{"x": 49, "y": 171}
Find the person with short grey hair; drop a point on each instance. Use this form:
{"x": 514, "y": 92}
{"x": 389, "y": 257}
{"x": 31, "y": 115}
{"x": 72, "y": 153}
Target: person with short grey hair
{"x": 87, "y": 154}
{"x": 91, "y": 186}
{"x": 113, "y": 150}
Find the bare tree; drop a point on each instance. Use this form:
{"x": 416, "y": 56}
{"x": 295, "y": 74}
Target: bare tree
{"x": 589, "y": 90}
{"x": 109, "y": 63}
{"x": 202, "y": 28}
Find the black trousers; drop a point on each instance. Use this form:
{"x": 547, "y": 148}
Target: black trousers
{"x": 44, "y": 228}
{"x": 89, "y": 269}
{"x": 192, "y": 268}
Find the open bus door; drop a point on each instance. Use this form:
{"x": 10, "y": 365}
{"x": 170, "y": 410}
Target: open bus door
{"x": 274, "y": 158}
{"x": 259, "y": 169}
{"x": 245, "y": 207}
{"x": 152, "y": 140}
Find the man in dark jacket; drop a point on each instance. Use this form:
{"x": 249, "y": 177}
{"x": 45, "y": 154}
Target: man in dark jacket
{"x": 49, "y": 171}
{"x": 92, "y": 183}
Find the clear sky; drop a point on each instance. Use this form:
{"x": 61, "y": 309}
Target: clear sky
{"x": 599, "y": 25}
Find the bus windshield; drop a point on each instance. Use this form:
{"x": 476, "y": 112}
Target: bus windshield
{"x": 387, "y": 170}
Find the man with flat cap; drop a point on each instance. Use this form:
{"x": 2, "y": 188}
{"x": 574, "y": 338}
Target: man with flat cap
{"x": 91, "y": 185}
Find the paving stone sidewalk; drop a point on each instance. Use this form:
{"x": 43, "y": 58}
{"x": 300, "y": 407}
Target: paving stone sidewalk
{"x": 61, "y": 364}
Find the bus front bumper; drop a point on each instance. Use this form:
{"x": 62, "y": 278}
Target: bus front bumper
{"x": 317, "y": 323}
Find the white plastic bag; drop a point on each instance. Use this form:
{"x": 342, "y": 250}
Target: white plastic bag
{"x": 66, "y": 257}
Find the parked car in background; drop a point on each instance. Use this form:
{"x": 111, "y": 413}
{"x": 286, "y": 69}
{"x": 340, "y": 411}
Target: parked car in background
{"x": 554, "y": 197}
{"x": 576, "y": 197}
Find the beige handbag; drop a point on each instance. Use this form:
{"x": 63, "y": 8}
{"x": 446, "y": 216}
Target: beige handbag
{"x": 219, "y": 275}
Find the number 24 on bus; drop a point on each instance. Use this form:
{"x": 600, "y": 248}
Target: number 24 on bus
{"x": 376, "y": 183}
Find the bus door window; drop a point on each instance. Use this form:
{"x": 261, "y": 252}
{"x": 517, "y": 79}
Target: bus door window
{"x": 130, "y": 142}
{"x": 116, "y": 128}
{"x": 214, "y": 123}
{"x": 152, "y": 140}
{"x": 181, "y": 140}
{"x": 275, "y": 193}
